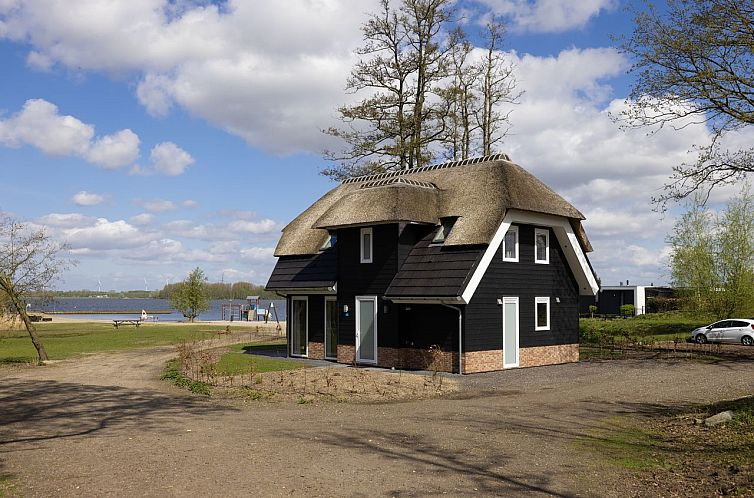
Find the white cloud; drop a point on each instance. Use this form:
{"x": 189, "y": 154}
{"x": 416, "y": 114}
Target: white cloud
{"x": 169, "y": 159}
{"x": 40, "y": 125}
{"x": 258, "y": 254}
{"x": 270, "y": 75}
{"x": 65, "y": 220}
{"x": 157, "y": 205}
{"x": 190, "y": 203}
{"x": 85, "y": 198}
{"x": 262, "y": 226}
{"x": 105, "y": 235}
{"x": 142, "y": 219}
{"x": 549, "y": 16}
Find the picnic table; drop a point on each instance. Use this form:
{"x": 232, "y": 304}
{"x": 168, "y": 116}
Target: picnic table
{"x": 118, "y": 323}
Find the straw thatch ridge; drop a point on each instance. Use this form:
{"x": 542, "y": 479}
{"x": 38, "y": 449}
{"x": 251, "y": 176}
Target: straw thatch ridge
{"x": 477, "y": 192}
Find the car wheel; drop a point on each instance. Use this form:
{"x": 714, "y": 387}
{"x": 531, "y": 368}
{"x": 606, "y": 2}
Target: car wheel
{"x": 747, "y": 340}
{"x": 700, "y": 339}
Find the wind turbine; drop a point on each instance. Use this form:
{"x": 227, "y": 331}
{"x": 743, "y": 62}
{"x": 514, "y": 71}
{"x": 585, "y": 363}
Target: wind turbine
{"x": 146, "y": 286}
{"x": 99, "y": 285}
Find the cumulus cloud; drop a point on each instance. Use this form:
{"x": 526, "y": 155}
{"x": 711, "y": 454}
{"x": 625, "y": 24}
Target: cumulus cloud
{"x": 156, "y": 205}
{"x": 142, "y": 219}
{"x": 169, "y": 159}
{"x": 549, "y": 16}
{"x": 40, "y": 125}
{"x": 105, "y": 235}
{"x": 235, "y": 65}
{"x": 85, "y": 198}
{"x": 64, "y": 220}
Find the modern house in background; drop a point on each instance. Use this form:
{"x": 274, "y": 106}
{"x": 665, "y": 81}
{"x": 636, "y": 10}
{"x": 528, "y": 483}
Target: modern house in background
{"x": 467, "y": 266}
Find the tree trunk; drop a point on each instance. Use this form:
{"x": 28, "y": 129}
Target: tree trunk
{"x": 29, "y": 328}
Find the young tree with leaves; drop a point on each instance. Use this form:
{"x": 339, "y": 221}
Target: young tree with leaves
{"x": 29, "y": 262}
{"x": 712, "y": 257}
{"x": 189, "y": 296}
{"x": 694, "y": 62}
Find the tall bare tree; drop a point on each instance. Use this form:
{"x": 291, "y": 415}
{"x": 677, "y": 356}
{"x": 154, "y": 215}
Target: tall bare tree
{"x": 695, "y": 64}
{"x": 498, "y": 86}
{"x": 403, "y": 59}
{"x": 460, "y": 98}
{"x": 29, "y": 262}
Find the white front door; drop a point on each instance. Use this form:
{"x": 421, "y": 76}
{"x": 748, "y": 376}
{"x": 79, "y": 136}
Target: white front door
{"x": 510, "y": 332}
{"x": 366, "y": 329}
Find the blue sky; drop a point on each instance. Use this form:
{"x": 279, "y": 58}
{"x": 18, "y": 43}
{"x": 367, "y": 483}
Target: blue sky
{"x": 155, "y": 136}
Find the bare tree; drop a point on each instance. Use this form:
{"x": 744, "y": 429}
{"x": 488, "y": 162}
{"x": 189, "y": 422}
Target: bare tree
{"x": 498, "y": 86}
{"x": 459, "y": 98}
{"x": 402, "y": 61}
{"x": 695, "y": 64}
{"x": 29, "y": 262}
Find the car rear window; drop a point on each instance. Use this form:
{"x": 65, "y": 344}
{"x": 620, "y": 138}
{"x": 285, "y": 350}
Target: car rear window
{"x": 737, "y": 323}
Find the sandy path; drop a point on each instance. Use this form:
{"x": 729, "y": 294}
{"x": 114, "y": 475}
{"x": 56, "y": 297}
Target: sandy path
{"x": 103, "y": 426}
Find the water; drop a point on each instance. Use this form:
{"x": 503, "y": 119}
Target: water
{"x": 133, "y": 307}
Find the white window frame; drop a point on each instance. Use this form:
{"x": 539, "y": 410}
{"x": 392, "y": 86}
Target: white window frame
{"x": 537, "y": 301}
{"x": 546, "y": 233}
{"x": 514, "y": 229}
{"x": 363, "y": 232}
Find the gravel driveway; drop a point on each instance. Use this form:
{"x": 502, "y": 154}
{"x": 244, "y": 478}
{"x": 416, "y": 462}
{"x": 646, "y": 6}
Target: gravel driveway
{"x": 103, "y": 425}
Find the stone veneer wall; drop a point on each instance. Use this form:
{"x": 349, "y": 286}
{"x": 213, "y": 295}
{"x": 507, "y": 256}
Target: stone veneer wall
{"x": 316, "y": 350}
{"x": 482, "y": 361}
{"x": 346, "y": 354}
{"x": 548, "y": 355}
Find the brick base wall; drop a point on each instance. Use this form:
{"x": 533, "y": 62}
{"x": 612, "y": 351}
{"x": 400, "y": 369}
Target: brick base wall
{"x": 482, "y": 361}
{"x": 417, "y": 359}
{"x": 346, "y": 354}
{"x": 317, "y": 350}
{"x": 548, "y": 355}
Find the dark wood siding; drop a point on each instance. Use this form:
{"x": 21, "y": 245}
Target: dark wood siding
{"x": 610, "y": 301}
{"x": 424, "y": 325}
{"x": 367, "y": 279}
{"x": 527, "y": 280}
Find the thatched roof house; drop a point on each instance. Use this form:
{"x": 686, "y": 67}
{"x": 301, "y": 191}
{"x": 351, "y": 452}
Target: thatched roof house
{"x": 434, "y": 232}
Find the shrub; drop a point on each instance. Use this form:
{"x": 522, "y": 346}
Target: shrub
{"x": 627, "y": 310}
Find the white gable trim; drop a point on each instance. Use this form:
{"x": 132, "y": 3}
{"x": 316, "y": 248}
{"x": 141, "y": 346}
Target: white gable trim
{"x": 566, "y": 238}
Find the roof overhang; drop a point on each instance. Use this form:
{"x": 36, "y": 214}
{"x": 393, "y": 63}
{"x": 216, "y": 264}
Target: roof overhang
{"x": 427, "y": 300}
{"x": 284, "y": 291}
{"x": 567, "y": 239}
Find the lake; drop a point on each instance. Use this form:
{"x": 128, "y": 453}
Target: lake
{"x": 128, "y": 307}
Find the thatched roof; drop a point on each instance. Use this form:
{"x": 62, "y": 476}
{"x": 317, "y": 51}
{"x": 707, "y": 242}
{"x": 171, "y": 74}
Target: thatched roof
{"x": 476, "y": 191}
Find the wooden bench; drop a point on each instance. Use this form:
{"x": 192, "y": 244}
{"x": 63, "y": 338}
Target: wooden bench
{"x": 118, "y": 323}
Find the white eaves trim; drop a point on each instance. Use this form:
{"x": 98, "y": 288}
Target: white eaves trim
{"x": 566, "y": 238}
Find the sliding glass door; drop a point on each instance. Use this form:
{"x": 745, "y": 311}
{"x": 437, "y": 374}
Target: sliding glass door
{"x": 299, "y": 325}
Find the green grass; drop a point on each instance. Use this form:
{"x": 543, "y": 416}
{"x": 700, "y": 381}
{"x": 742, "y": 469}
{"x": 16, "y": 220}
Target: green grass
{"x": 235, "y": 362}
{"x": 624, "y": 444}
{"x": 173, "y": 373}
{"x": 650, "y": 327}
{"x": 64, "y": 339}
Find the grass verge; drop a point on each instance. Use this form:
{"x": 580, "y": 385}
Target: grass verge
{"x": 64, "y": 340}
{"x": 651, "y": 327}
{"x": 671, "y": 454}
{"x": 173, "y": 373}
{"x": 238, "y": 362}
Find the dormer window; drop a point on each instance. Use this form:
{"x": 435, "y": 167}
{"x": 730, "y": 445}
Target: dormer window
{"x": 366, "y": 245}
{"x": 541, "y": 246}
{"x": 510, "y": 245}
{"x": 443, "y": 230}
{"x": 331, "y": 242}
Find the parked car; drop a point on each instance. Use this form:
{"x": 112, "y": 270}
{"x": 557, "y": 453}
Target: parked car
{"x": 734, "y": 330}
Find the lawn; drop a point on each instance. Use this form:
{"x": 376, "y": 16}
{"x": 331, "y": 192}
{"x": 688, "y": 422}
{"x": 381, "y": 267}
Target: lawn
{"x": 646, "y": 328}
{"x": 236, "y": 362}
{"x": 64, "y": 339}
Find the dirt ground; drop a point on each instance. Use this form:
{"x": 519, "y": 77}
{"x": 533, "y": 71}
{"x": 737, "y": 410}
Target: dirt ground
{"x": 104, "y": 425}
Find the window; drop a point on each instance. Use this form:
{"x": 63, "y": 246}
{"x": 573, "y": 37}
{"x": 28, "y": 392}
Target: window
{"x": 541, "y": 246}
{"x": 331, "y": 241}
{"x": 443, "y": 230}
{"x": 541, "y": 313}
{"x": 366, "y": 245}
{"x": 510, "y": 245}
